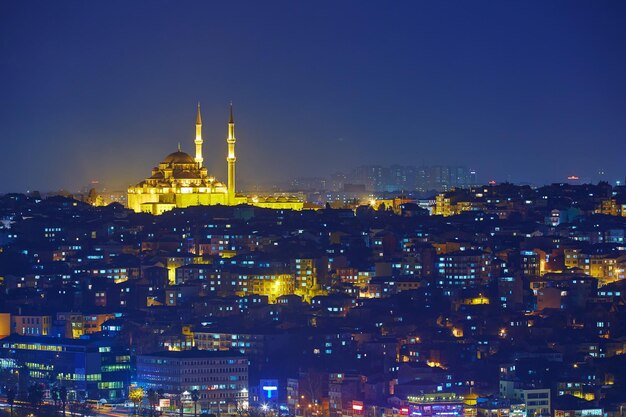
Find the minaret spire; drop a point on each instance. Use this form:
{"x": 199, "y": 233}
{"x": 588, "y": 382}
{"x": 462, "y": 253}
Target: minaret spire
{"x": 231, "y": 157}
{"x": 198, "y": 141}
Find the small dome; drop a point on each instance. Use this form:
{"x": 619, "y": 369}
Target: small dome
{"x": 178, "y": 158}
{"x": 182, "y": 174}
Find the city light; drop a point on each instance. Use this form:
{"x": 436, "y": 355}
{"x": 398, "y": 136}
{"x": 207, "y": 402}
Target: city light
{"x": 412, "y": 209}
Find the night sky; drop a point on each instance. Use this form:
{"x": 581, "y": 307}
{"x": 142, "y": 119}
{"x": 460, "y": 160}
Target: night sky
{"x": 519, "y": 90}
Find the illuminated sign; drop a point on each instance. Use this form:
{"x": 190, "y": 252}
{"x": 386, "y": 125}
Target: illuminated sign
{"x": 357, "y": 405}
{"x": 269, "y": 389}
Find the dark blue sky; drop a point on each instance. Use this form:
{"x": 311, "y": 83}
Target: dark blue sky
{"x": 524, "y": 90}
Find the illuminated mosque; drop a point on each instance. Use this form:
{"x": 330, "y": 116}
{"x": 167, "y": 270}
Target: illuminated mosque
{"x": 181, "y": 180}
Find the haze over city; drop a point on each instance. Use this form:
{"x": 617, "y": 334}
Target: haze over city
{"x": 313, "y": 208}
{"x": 519, "y": 91}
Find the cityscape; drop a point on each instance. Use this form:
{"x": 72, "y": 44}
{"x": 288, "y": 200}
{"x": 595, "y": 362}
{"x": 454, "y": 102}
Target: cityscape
{"x": 366, "y": 210}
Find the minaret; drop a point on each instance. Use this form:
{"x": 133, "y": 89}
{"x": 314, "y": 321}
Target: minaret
{"x": 231, "y": 157}
{"x": 198, "y": 141}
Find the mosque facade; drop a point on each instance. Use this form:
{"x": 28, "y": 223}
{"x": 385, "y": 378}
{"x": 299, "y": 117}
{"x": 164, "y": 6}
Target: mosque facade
{"x": 181, "y": 180}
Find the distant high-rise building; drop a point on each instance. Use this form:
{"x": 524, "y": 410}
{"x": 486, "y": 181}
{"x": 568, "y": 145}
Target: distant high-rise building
{"x": 393, "y": 179}
{"x": 398, "y": 178}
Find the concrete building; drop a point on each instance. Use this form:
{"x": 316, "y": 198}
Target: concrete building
{"x": 221, "y": 377}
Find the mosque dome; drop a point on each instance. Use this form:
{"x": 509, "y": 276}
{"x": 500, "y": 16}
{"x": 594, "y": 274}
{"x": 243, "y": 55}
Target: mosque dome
{"x": 178, "y": 158}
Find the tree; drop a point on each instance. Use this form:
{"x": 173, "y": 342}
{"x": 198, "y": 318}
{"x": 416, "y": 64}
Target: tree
{"x": 136, "y": 396}
{"x": 94, "y": 198}
{"x": 54, "y": 394}
{"x": 35, "y": 395}
{"x": 8, "y": 378}
{"x": 63, "y": 398}
{"x": 195, "y": 396}
{"x": 11, "y": 398}
{"x": 231, "y": 402}
{"x": 241, "y": 411}
{"x": 153, "y": 400}
{"x": 178, "y": 396}
{"x": 161, "y": 394}
{"x": 23, "y": 382}
{"x": 311, "y": 385}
